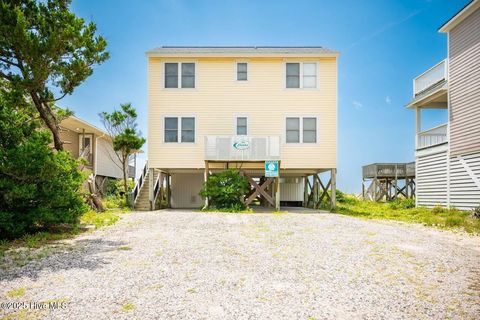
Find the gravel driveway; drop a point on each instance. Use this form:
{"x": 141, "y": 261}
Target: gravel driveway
{"x": 175, "y": 264}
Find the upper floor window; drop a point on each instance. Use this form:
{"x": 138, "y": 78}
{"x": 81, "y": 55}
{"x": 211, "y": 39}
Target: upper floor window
{"x": 301, "y": 75}
{"x": 179, "y": 127}
{"x": 180, "y": 75}
{"x": 300, "y": 129}
{"x": 242, "y": 128}
{"x": 242, "y": 71}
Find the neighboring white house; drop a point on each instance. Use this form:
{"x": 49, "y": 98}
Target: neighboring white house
{"x": 448, "y": 156}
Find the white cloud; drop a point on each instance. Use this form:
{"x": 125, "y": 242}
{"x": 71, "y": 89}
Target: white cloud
{"x": 357, "y": 105}
{"x": 388, "y": 100}
{"x": 384, "y": 28}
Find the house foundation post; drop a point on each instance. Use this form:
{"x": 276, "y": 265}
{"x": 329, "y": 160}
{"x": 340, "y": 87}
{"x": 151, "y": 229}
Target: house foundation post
{"x": 205, "y": 178}
{"x": 305, "y": 191}
{"x": 277, "y": 190}
{"x": 151, "y": 186}
{"x": 333, "y": 185}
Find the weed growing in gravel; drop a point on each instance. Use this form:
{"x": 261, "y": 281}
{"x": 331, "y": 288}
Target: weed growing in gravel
{"x": 101, "y": 219}
{"x": 124, "y": 248}
{"x": 15, "y": 293}
{"x": 128, "y": 306}
{"x": 402, "y": 211}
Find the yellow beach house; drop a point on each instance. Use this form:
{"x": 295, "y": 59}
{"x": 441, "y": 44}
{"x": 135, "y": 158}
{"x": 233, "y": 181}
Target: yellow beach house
{"x": 270, "y": 112}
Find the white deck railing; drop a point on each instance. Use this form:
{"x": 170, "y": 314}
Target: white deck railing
{"x": 432, "y": 137}
{"x": 430, "y": 77}
{"x": 244, "y": 148}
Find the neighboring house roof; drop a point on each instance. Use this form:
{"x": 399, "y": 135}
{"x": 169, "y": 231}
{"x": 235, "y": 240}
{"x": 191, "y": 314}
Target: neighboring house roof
{"x": 78, "y": 125}
{"x": 461, "y": 15}
{"x": 213, "y": 51}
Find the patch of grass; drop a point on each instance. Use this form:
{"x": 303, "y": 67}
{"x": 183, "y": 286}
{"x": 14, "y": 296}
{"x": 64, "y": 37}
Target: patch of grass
{"x": 227, "y": 210}
{"x": 124, "y": 248}
{"x": 402, "y": 210}
{"x": 15, "y": 293}
{"x": 100, "y": 219}
{"x": 38, "y": 245}
{"x": 191, "y": 290}
{"x": 128, "y": 306}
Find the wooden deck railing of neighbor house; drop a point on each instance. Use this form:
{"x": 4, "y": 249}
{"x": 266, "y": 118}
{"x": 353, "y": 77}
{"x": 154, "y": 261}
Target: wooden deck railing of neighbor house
{"x": 432, "y": 76}
{"x": 388, "y": 181}
{"x": 432, "y": 137}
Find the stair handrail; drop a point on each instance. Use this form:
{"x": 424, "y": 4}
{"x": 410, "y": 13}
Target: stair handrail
{"x": 84, "y": 155}
{"x": 156, "y": 189}
{"x": 139, "y": 182}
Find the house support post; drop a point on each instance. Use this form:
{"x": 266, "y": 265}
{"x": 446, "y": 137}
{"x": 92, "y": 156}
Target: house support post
{"x": 168, "y": 186}
{"x": 277, "y": 193}
{"x": 333, "y": 198}
{"x": 205, "y": 178}
{"x": 305, "y": 191}
{"x": 151, "y": 186}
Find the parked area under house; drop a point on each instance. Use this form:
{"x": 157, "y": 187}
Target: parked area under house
{"x": 179, "y": 188}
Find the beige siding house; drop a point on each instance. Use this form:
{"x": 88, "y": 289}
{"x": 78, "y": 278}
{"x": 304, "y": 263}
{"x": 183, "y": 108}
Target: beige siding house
{"x": 84, "y": 140}
{"x": 448, "y": 156}
{"x": 212, "y": 108}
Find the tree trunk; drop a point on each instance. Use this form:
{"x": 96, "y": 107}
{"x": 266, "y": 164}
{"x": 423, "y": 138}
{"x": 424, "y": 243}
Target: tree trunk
{"x": 49, "y": 120}
{"x": 125, "y": 185}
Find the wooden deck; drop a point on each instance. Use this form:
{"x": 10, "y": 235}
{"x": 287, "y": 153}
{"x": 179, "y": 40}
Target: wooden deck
{"x": 388, "y": 181}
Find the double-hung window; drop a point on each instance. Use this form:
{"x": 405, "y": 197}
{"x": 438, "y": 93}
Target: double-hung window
{"x": 242, "y": 126}
{"x": 179, "y": 129}
{"x": 242, "y": 71}
{"x": 301, "y": 75}
{"x": 301, "y": 129}
{"x": 179, "y": 75}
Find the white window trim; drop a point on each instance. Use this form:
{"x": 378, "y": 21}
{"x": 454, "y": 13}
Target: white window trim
{"x": 301, "y": 143}
{"x": 235, "y": 123}
{"x": 301, "y": 62}
{"x": 236, "y": 71}
{"x": 179, "y": 84}
{"x": 80, "y": 142}
{"x": 179, "y": 129}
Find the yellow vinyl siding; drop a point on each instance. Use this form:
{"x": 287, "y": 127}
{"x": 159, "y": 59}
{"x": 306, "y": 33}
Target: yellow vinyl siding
{"x": 218, "y": 98}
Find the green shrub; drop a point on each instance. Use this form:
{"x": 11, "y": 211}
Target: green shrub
{"x": 340, "y": 196}
{"x": 115, "y": 187}
{"x": 114, "y": 202}
{"x": 402, "y": 204}
{"x": 39, "y": 188}
{"x": 224, "y": 189}
{"x": 476, "y": 212}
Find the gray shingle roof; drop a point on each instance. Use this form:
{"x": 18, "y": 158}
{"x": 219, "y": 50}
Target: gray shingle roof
{"x": 213, "y": 50}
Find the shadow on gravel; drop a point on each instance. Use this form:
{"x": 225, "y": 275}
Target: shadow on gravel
{"x": 81, "y": 254}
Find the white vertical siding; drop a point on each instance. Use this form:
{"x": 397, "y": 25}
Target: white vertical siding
{"x": 431, "y": 179}
{"x": 107, "y": 162}
{"x": 464, "y": 84}
{"x": 185, "y": 189}
{"x": 465, "y": 181}
{"x": 291, "y": 189}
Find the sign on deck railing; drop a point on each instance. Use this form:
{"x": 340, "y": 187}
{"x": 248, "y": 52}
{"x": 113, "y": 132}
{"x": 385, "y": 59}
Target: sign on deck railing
{"x": 245, "y": 148}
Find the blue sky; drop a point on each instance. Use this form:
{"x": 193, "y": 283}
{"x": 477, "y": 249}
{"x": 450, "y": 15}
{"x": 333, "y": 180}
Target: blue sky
{"x": 383, "y": 46}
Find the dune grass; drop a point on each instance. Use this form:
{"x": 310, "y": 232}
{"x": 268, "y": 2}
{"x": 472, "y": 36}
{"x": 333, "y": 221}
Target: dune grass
{"x": 404, "y": 210}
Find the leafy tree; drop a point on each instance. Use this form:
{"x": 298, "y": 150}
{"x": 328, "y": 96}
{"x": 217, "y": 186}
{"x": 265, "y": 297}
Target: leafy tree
{"x": 39, "y": 187}
{"x": 45, "y": 48}
{"x": 121, "y": 125}
{"x": 225, "y": 189}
